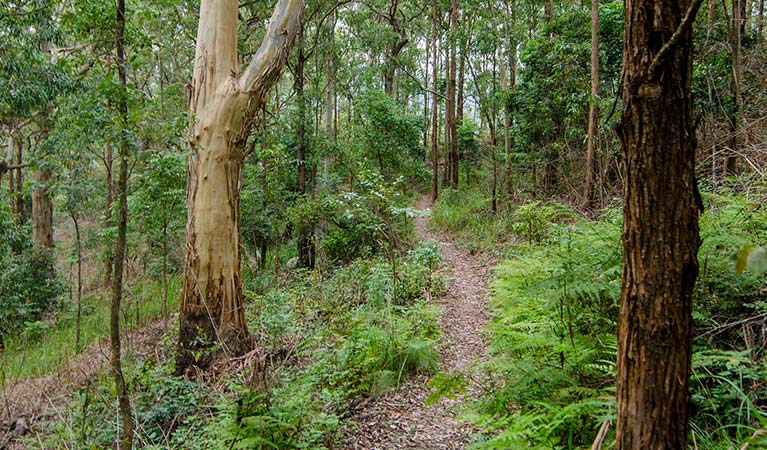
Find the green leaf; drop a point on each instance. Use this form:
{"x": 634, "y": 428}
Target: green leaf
{"x": 753, "y": 259}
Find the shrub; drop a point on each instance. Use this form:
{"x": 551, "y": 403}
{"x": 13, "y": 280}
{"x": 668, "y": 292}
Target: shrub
{"x": 29, "y": 287}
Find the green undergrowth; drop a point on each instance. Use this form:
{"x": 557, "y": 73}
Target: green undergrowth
{"x": 324, "y": 342}
{"x": 44, "y": 346}
{"x": 468, "y": 215}
{"x": 555, "y": 308}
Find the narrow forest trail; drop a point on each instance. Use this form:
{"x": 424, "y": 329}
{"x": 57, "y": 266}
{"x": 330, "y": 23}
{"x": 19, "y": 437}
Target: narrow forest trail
{"x": 400, "y": 419}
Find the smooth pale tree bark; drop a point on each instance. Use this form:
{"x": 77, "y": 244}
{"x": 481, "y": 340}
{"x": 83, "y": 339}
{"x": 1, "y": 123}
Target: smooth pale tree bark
{"x": 589, "y": 196}
{"x": 660, "y": 231}
{"x": 126, "y": 437}
{"x": 223, "y": 106}
{"x": 434, "y": 106}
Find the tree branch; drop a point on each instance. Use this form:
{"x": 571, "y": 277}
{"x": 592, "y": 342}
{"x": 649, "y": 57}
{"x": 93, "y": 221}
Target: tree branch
{"x": 683, "y": 27}
{"x": 265, "y": 66}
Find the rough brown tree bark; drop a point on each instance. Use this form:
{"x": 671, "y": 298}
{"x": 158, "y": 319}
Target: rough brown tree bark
{"x": 395, "y": 48}
{"x": 507, "y": 82}
{"x": 223, "y": 106}
{"x": 589, "y": 197}
{"x": 434, "y": 106}
{"x": 736, "y": 115}
{"x": 125, "y": 440}
{"x": 660, "y": 231}
{"x": 452, "y": 123}
{"x": 306, "y": 251}
{"x": 42, "y": 209}
{"x": 109, "y": 202}
{"x": 506, "y": 125}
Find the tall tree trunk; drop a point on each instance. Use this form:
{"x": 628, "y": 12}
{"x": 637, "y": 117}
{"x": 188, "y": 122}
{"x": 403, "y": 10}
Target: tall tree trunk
{"x": 20, "y": 208}
{"x": 736, "y": 117}
{"x": 78, "y": 243}
{"x": 164, "y": 273}
{"x": 451, "y": 93}
{"x": 589, "y": 196}
{"x": 660, "y": 231}
{"x": 760, "y": 22}
{"x": 126, "y": 438}
{"x": 9, "y": 162}
{"x": 434, "y": 106}
{"x": 446, "y": 149}
{"x": 394, "y": 49}
{"x": 42, "y": 209}
{"x": 460, "y": 83}
{"x": 508, "y": 83}
{"x": 223, "y": 106}
{"x": 304, "y": 237}
{"x": 330, "y": 95}
{"x": 108, "y": 256}
{"x": 738, "y": 33}
{"x": 506, "y": 125}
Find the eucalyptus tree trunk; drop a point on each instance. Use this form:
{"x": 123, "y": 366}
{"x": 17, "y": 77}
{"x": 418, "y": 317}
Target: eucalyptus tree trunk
{"x": 434, "y": 106}
{"x": 306, "y": 250}
{"x": 5, "y": 167}
{"x": 508, "y": 83}
{"x": 223, "y": 106}
{"x": 506, "y": 125}
{"x": 589, "y": 196}
{"x": 123, "y": 399}
{"x": 79, "y": 248}
{"x": 110, "y": 198}
{"x": 395, "y": 48}
{"x": 660, "y": 231}
{"x": 42, "y": 209}
{"x": 452, "y": 123}
{"x": 330, "y": 95}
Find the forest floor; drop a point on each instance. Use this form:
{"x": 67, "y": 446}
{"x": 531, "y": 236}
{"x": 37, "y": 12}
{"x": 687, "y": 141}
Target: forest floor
{"x": 397, "y": 419}
{"x": 400, "y": 419}
{"x": 39, "y": 398}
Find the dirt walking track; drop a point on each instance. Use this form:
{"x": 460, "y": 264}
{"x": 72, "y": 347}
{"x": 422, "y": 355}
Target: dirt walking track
{"x": 399, "y": 419}
{"x": 395, "y": 420}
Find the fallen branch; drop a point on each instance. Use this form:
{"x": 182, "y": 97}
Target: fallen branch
{"x": 716, "y": 330}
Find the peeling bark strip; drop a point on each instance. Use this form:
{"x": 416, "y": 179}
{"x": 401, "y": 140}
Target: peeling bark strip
{"x": 660, "y": 234}
{"x": 223, "y": 108}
